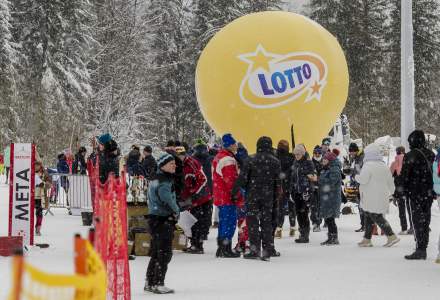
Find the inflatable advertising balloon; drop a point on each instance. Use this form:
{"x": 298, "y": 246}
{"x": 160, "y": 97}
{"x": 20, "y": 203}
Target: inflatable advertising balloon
{"x": 266, "y": 72}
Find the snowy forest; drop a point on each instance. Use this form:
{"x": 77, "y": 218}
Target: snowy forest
{"x": 74, "y": 69}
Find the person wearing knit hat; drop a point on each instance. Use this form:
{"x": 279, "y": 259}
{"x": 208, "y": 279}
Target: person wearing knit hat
{"x": 315, "y": 200}
{"x": 224, "y": 175}
{"x": 356, "y": 162}
{"x": 303, "y": 176}
{"x": 330, "y": 182}
{"x": 325, "y": 145}
{"x": 162, "y": 218}
{"x": 196, "y": 196}
{"x": 229, "y": 143}
{"x": 104, "y": 138}
{"x": 299, "y": 150}
{"x": 286, "y": 159}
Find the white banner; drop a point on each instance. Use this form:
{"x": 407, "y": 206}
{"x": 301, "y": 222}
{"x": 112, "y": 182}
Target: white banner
{"x": 21, "y": 192}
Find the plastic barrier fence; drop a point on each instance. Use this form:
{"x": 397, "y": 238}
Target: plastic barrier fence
{"x": 88, "y": 283}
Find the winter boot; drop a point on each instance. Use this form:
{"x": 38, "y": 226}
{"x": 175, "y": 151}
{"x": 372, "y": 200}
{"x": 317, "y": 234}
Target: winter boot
{"x": 265, "y": 258}
{"x": 161, "y": 289}
{"x": 331, "y": 240}
{"x": 292, "y": 231}
{"x": 196, "y": 247}
{"x": 225, "y": 249}
{"x": 316, "y": 228}
{"x": 362, "y": 229}
{"x": 417, "y": 255}
{"x": 392, "y": 240}
{"x": 251, "y": 255}
{"x": 303, "y": 238}
{"x": 365, "y": 243}
{"x": 220, "y": 248}
{"x": 148, "y": 287}
{"x": 279, "y": 232}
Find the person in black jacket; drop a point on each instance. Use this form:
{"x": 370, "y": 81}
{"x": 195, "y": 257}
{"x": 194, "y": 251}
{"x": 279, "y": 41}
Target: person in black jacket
{"x": 399, "y": 197}
{"x": 260, "y": 178}
{"x": 286, "y": 160}
{"x": 315, "y": 200}
{"x": 108, "y": 158}
{"x": 302, "y": 179}
{"x": 419, "y": 188}
{"x": 149, "y": 163}
{"x": 79, "y": 165}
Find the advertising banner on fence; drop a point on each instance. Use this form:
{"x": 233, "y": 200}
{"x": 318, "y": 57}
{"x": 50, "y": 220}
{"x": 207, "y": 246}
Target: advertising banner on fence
{"x": 21, "y": 192}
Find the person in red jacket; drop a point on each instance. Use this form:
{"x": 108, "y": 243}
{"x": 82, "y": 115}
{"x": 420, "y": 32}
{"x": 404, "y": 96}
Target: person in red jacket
{"x": 224, "y": 174}
{"x": 196, "y": 193}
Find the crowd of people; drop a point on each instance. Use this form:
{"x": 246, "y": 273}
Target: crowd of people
{"x": 252, "y": 194}
{"x": 256, "y": 192}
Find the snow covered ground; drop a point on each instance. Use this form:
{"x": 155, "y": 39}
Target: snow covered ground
{"x": 302, "y": 272}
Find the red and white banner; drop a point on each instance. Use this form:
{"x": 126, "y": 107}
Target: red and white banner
{"x": 21, "y": 192}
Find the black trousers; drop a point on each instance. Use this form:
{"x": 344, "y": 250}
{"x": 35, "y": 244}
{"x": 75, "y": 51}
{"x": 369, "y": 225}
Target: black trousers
{"x": 287, "y": 201}
{"x": 379, "y": 219}
{"x": 314, "y": 208}
{"x": 200, "y": 229}
{"x": 421, "y": 218}
{"x": 260, "y": 225}
{"x": 331, "y": 226}
{"x": 7, "y": 174}
{"x": 162, "y": 232}
{"x": 302, "y": 214}
{"x": 403, "y": 206}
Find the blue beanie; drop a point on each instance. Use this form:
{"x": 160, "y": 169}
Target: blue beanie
{"x": 105, "y": 138}
{"x": 228, "y": 140}
{"x": 164, "y": 159}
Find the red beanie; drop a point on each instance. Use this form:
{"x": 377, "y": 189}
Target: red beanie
{"x": 330, "y": 156}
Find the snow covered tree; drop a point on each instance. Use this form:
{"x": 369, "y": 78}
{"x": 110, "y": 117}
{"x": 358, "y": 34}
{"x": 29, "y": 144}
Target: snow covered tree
{"x": 54, "y": 41}
{"x": 426, "y": 22}
{"x": 8, "y": 55}
{"x": 359, "y": 25}
{"x": 326, "y": 13}
{"x": 264, "y": 5}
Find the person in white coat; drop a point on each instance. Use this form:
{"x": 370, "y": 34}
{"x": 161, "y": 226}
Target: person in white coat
{"x": 376, "y": 185}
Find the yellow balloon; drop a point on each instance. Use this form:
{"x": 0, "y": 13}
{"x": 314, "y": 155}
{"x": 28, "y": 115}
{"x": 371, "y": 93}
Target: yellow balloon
{"x": 265, "y": 72}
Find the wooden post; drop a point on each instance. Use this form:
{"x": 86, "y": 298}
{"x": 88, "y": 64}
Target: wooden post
{"x": 80, "y": 255}
{"x": 17, "y": 269}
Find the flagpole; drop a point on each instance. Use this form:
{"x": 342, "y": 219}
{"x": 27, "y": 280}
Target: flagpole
{"x": 407, "y": 73}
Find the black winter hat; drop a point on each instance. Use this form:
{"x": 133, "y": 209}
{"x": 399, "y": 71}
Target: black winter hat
{"x": 417, "y": 139}
{"x": 264, "y": 144}
{"x": 148, "y": 149}
{"x": 353, "y": 147}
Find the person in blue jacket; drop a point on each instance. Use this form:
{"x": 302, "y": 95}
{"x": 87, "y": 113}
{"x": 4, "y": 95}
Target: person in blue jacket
{"x": 162, "y": 218}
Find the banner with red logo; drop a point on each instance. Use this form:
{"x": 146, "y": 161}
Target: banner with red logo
{"x": 21, "y": 192}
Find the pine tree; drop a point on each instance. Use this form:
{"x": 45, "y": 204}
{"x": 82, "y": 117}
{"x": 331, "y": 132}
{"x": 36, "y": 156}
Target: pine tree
{"x": 8, "y": 55}
{"x": 264, "y": 5}
{"x": 359, "y": 26}
{"x": 326, "y": 13}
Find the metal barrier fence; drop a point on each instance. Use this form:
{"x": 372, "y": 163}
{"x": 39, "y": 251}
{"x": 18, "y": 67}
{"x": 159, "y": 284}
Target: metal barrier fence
{"x": 70, "y": 191}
